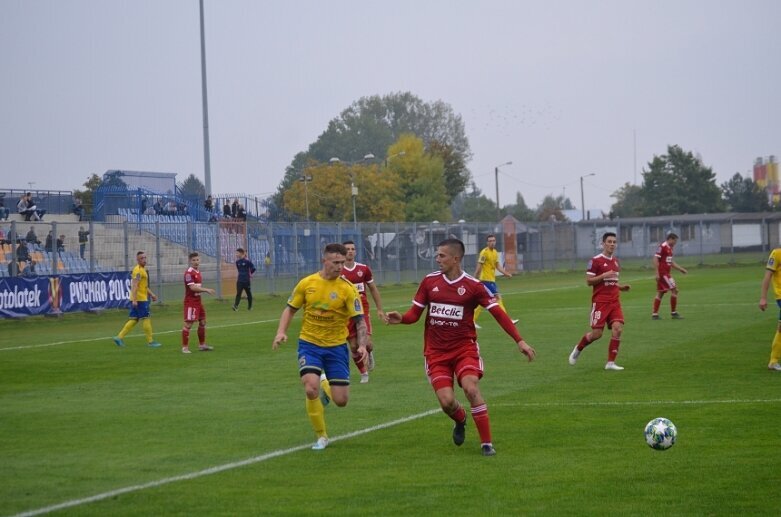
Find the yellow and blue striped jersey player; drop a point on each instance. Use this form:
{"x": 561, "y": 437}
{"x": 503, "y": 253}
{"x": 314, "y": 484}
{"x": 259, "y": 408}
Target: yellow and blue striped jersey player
{"x": 329, "y": 301}
{"x": 487, "y": 266}
{"x": 140, "y": 293}
{"x": 773, "y": 274}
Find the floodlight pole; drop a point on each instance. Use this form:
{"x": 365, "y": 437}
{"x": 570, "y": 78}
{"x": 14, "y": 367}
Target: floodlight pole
{"x": 496, "y": 172}
{"x": 207, "y": 173}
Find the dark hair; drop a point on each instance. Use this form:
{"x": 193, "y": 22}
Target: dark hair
{"x": 608, "y": 234}
{"x": 672, "y": 235}
{"x": 193, "y": 254}
{"x": 140, "y": 253}
{"x": 240, "y": 250}
{"x": 349, "y": 242}
{"x": 335, "y": 247}
{"x": 490, "y": 235}
{"x": 456, "y": 244}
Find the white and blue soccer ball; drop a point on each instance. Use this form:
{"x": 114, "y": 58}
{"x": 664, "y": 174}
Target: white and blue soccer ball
{"x": 660, "y": 434}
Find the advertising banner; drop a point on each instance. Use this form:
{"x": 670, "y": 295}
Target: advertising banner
{"x": 30, "y": 296}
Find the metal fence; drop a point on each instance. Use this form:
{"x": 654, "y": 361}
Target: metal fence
{"x": 396, "y": 252}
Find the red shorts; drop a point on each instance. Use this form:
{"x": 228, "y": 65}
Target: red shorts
{"x": 665, "y": 283}
{"x": 352, "y": 332}
{"x": 603, "y": 313}
{"x": 193, "y": 312}
{"x": 442, "y": 366}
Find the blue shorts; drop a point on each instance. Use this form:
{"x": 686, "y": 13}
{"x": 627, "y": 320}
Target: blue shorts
{"x": 141, "y": 310}
{"x": 333, "y": 360}
{"x": 778, "y": 302}
{"x": 491, "y": 286}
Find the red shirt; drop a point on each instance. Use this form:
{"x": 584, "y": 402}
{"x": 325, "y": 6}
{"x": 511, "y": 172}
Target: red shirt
{"x": 192, "y": 276}
{"x": 451, "y": 305}
{"x": 360, "y": 275}
{"x": 665, "y": 255}
{"x": 606, "y": 290}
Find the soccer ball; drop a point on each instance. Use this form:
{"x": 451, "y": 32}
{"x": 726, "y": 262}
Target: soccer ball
{"x": 660, "y": 434}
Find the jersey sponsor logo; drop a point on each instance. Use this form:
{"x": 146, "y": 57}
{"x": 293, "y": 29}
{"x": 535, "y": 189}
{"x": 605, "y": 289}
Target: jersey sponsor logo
{"x": 461, "y": 291}
{"x": 446, "y": 310}
{"x": 360, "y": 286}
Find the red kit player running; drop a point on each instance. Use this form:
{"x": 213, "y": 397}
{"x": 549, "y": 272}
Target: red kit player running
{"x": 602, "y": 275}
{"x": 663, "y": 265}
{"x": 193, "y": 308}
{"x": 360, "y": 275}
{"x": 449, "y": 339}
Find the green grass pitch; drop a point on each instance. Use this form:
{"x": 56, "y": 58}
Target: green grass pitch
{"x": 87, "y": 428}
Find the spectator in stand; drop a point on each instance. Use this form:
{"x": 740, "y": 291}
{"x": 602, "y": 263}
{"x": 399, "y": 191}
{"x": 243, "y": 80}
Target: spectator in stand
{"x": 78, "y": 208}
{"x": 22, "y": 252}
{"x": 226, "y": 210}
{"x": 3, "y": 239}
{"x": 235, "y": 208}
{"x": 31, "y": 237}
{"x": 170, "y": 208}
{"x": 83, "y": 239}
{"x": 208, "y": 205}
{"x": 61, "y": 243}
{"x": 27, "y": 209}
{"x": 5, "y": 212}
{"x": 144, "y": 204}
{"x": 158, "y": 207}
{"x": 241, "y": 213}
{"x": 49, "y": 245}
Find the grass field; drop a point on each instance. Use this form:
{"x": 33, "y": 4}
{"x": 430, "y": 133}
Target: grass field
{"x": 91, "y": 429}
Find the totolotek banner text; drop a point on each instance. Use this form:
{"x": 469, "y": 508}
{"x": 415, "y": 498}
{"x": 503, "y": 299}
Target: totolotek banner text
{"x": 31, "y": 296}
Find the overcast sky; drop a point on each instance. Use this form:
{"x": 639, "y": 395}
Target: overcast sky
{"x": 560, "y": 88}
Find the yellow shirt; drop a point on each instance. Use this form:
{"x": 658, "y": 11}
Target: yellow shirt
{"x": 142, "y": 277}
{"x": 773, "y": 263}
{"x": 329, "y": 304}
{"x": 489, "y": 258}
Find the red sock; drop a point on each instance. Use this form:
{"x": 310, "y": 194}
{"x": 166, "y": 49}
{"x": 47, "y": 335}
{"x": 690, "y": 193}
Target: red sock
{"x": 612, "y": 349}
{"x": 359, "y": 362}
{"x": 584, "y": 342}
{"x": 480, "y": 416}
{"x": 673, "y": 302}
{"x": 201, "y": 335}
{"x": 459, "y": 415}
{"x": 185, "y": 336}
{"x": 657, "y": 303}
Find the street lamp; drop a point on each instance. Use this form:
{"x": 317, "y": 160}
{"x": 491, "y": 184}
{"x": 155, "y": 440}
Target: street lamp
{"x": 582, "y": 202}
{"x": 496, "y": 172}
{"x": 400, "y": 153}
{"x": 306, "y": 179}
{"x": 353, "y": 188}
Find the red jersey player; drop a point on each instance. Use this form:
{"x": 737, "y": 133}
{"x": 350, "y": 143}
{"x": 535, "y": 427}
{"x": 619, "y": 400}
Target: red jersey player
{"x": 663, "y": 264}
{"x": 449, "y": 339}
{"x": 360, "y": 275}
{"x": 193, "y": 308}
{"x": 602, "y": 275}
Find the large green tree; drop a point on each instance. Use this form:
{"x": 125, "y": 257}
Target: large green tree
{"x": 744, "y": 195}
{"x": 679, "y": 183}
{"x": 520, "y": 210}
{"x": 87, "y": 195}
{"x": 372, "y": 124}
{"x": 473, "y": 206}
{"x": 629, "y": 201}
{"x": 192, "y": 187}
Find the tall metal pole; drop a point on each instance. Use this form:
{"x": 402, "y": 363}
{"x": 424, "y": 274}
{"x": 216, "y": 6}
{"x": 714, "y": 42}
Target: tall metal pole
{"x": 206, "y": 158}
{"x": 582, "y": 202}
{"x": 498, "y": 212}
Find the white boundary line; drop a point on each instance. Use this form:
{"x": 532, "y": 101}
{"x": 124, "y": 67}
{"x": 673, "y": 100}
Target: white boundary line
{"x": 216, "y": 469}
{"x": 283, "y": 452}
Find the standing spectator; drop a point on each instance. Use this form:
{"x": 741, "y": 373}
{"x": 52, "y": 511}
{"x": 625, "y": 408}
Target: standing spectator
{"x": 602, "y": 276}
{"x": 193, "y": 307}
{"x": 78, "y": 208}
{"x": 663, "y": 265}
{"x": 360, "y": 275}
{"x": 61, "y": 243}
{"x": 235, "y": 208}
{"x": 158, "y": 207}
{"x": 144, "y": 204}
{"x": 773, "y": 274}
{"x": 49, "y": 244}
{"x": 83, "y": 239}
{"x": 226, "y": 210}
{"x": 5, "y": 212}
{"x": 487, "y": 266}
{"x": 241, "y": 213}
{"x": 31, "y": 237}
{"x": 450, "y": 342}
{"x": 329, "y": 301}
{"x": 246, "y": 269}
{"x": 208, "y": 205}
{"x": 140, "y": 293}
